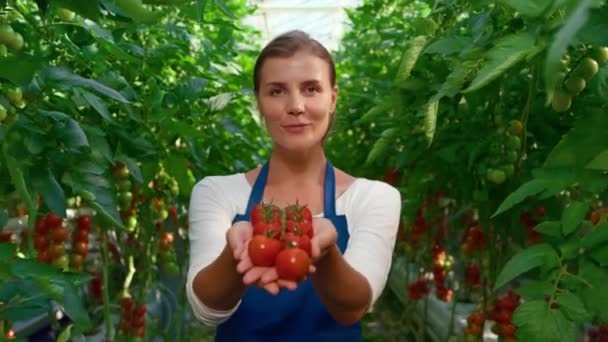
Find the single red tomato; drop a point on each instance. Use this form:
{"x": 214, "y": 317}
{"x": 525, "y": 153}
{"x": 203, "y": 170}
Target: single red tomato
{"x": 263, "y": 250}
{"x": 60, "y": 234}
{"x": 84, "y": 222}
{"x": 53, "y": 220}
{"x": 81, "y": 248}
{"x": 297, "y": 213}
{"x": 292, "y": 264}
{"x": 265, "y": 213}
{"x": 293, "y": 240}
{"x": 41, "y": 242}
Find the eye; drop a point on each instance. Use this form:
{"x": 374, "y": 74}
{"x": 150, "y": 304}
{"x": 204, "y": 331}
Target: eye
{"x": 276, "y": 91}
{"x": 312, "y": 89}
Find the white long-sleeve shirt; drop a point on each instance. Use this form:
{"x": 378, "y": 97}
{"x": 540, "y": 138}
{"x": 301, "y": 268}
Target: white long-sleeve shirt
{"x": 372, "y": 209}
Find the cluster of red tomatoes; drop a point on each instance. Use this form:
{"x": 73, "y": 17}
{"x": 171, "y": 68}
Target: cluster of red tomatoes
{"x": 598, "y": 334}
{"x": 282, "y": 238}
{"x": 133, "y": 317}
{"x": 49, "y": 240}
{"x": 502, "y": 314}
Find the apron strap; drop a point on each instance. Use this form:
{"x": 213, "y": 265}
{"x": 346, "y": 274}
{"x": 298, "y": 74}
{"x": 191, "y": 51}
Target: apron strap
{"x": 257, "y": 193}
{"x": 329, "y": 191}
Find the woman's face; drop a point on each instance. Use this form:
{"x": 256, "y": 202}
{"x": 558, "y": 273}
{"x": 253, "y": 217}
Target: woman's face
{"x": 296, "y": 99}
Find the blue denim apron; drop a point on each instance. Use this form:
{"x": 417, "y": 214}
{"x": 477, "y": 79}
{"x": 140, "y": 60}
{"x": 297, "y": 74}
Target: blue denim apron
{"x": 291, "y": 315}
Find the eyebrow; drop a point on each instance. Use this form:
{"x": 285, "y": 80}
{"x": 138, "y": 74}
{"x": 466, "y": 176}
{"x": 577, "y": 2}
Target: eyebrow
{"x": 281, "y": 84}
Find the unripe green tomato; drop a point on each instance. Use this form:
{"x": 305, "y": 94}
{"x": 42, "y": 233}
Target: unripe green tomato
{"x": 65, "y": 15}
{"x": 508, "y": 169}
{"x": 124, "y": 185}
{"x": 496, "y": 176}
{"x": 516, "y": 127}
{"x": 587, "y": 68}
{"x": 14, "y": 95}
{"x": 63, "y": 262}
{"x": 600, "y": 54}
{"x": 6, "y": 34}
{"x": 561, "y": 101}
{"x": 132, "y": 223}
{"x": 3, "y": 113}
{"x": 125, "y": 198}
{"x": 513, "y": 143}
{"x": 511, "y": 156}
{"x": 16, "y": 43}
{"x": 575, "y": 85}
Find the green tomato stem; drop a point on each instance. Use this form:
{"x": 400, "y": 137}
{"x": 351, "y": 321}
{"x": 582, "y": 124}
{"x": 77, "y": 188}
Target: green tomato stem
{"x": 106, "y": 292}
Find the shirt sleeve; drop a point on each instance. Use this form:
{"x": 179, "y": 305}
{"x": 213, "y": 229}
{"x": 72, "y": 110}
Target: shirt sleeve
{"x": 210, "y": 216}
{"x": 373, "y": 224}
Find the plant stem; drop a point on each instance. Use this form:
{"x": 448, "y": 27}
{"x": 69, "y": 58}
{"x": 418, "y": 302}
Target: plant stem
{"x": 563, "y": 271}
{"x": 106, "y": 292}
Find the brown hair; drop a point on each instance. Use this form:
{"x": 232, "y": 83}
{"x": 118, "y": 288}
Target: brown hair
{"x": 288, "y": 44}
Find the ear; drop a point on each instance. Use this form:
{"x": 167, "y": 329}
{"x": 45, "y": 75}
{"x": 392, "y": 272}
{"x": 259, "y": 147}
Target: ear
{"x": 334, "y": 98}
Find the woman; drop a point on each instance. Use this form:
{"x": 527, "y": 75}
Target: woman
{"x": 355, "y": 219}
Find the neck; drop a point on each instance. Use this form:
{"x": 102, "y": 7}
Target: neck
{"x": 292, "y": 167}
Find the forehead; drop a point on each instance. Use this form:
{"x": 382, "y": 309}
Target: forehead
{"x": 300, "y": 65}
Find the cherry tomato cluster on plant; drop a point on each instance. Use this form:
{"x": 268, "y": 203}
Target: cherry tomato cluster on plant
{"x": 574, "y": 82}
{"x": 9, "y": 38}
{"x": 598, "y": 334}
{"x": 49, "y": 240}
{"x": 96, "y": 286}
{"x": 80, "y": 242}
{"x": 502, "y": 314}
{"x": 121, "y": 175}
{"x": 505, "y": 153}
{"x": 474, "y": 326}
{"x": 165, "y": 183}
{"x": 133, "y": 317}
{"x": 168, "y": 258}
{"x": 282, "y": 238}
{"x": 598, "y": 215}
{"x": 473, "y": 240}
{"x": 6, "y": 237}
{"x": 418, "y": 289}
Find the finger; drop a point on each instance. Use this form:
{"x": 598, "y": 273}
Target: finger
{"x": 287, "y": 284}
{"x": 272, "y": 288}
{"x": 253, "y": 275}
{"x": 315, "y": 248}
{"x": 312, "y": 269}
{"x": 270, "y": 275}
{"x": 244, "y": 265}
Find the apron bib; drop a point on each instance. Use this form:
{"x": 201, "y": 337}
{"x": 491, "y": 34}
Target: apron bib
{"x": 291, "y": 315}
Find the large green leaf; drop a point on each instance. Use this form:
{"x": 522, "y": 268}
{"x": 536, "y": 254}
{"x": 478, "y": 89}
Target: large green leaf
{"x": 409, "y": 57}
{"x": 529, "y": 8}
{"x": 68, "y": 78}
{"x": 573, "y": 215}
{"x": 43, "y": 181}
{"x": 28, "y": 268}
{"x": 572, "y": 306}
{"x": 19, "y": 69}
{"x": 7, "y": 251}
{"x": 430, "y": 119}
{"x": 525, "y": 260}
{"x": 600, "y": 162}
{"x": 449, "y": 45}
{"x": 88, "y": 9}
{"x": 537, "y": 322}
{"x": 72, "y": 304}
{"x": 97, "y": 104}
{"x": 583, "y": 143}
{"x": 507, "y": 52}
{"x": 549, "y": 228}
{"x": 595, "y": 297}
{"x": 526, "y": 190}
{"x": 382, "y": 144}
{"x": 562, "y": 39}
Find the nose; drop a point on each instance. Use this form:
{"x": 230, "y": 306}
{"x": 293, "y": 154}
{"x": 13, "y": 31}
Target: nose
{"x": 295, "y": 106}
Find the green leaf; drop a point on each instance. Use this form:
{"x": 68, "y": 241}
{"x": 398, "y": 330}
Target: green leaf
{"x": 449, "y": 45}
{"x": 88, "y": 9}
{"x": 562, "y": 39}
{"x": 598, "y": 236}
{"x": 600, "y": 255}
{"x": 573, "y": 215}
{"x": 525, "y": 260}
{"x": 550, "y": 228}
{"x": 600, "y": 162}
{"x": 526, "y": 190}
{"x": 535, "y": 289}
{"x": 72, "y": 304}
{"x": 22, "y": 313}
{"x": 382, "y": 144}
{"x": 529, "y": 8}
{"x": 19, "y": 69}
{"x": 457, "y": 78}
{"x": 7, "y": 251}
{"x": 72, "y": 134}
{"x": 65, "y": 334}
{"x": 223, "y": 8}
{"x": 378, "y": 110}
{"x": 430, "y": 119}
{"x": 68, "y": 78}
{"x": 572, "y": 306}
{"x": 583, "y": 143}
{"x": 537, "y": 322}
{"x": 593, "y": 31}
{"x": 596, "y": 296}
{"x": 97, "y": 104}
{"x": 176, "y": 165}
{"x": 44, "y": 182}
{"x": 28, "y": 268}
{"x": 507, "y": 52}
{"x": 135, "y": 10}
{"x": 409, "y": 58}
